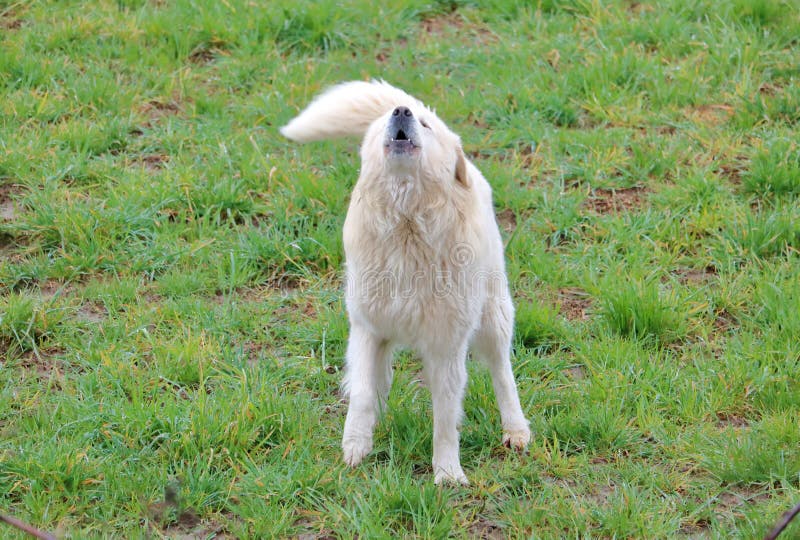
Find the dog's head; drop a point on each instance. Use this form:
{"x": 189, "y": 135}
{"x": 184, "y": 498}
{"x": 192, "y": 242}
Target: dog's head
{"x": 402, "y": 137}
{"x": 412, "y": 138}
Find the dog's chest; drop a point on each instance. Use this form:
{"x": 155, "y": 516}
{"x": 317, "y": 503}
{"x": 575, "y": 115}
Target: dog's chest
{"x": 410, "y": 234}
{"x": 412, "y": 247}
{"x": 406, "y": 281}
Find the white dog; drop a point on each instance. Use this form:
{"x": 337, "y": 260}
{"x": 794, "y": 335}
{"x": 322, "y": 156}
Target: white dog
{"x": 424, "y": 265}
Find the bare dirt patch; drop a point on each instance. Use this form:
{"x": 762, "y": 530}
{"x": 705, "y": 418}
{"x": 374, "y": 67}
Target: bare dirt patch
{"x": 731, "y": 501}
{"x": 710, "y": 115}
{"x": 438, "y": 25}
{"x": 725, "y": 419}
{"x": 152, "y": 162}
{"x": 190, "y": 527}
{"x": 733, "y": 169}
{"x": 441, "y": 26}
{"x": 52, "y": 288}
{"x": 640, "y": 8}
{"x": 507, "y": 220}
{"x": 202, "y": 55}
{"x": 695, "y": 276}
{"x": 485, "y": 529}
{"x": 159, "y": 108}
{"x": 44, "y": 362}
{"x": 308, "y": 521}
{"x": 8, "y": 208}
{"x": 573, "y": 303}
{"x": 383, "y": 55}
{"x": 254, "y": 352}
{"x": 304, "y": 308}
{"x": 560, "y": 482}
{"x": 724, "y": 322}
{"x": 6, "y": 247}
{"x": 316, "y": 536}
{"x": 454, "y": 24}
{"x": 154, "y": 111}
{"x": 8, "y": 211}
{"x": 477, "y": 120}
{"x": 601, "y": 494}
{"x": 171, "y": 520}
{"x": 8, "y": 22}
{"x": 529, "y": 157}
{"x": 92, "y": 312}
{"x": 576, "y": 373}
{"x": 285, "y": 284}
{"x": 695, "y": 529}
{"x": 769, "y": 89}
{"x": 614, "y": 201}
{"x": 207, "y": 52}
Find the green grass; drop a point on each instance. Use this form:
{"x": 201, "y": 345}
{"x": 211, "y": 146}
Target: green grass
{"x": 171, "y": 323}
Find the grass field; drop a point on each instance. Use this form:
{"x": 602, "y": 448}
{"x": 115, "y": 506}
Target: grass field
{"x": 171, "y": 322}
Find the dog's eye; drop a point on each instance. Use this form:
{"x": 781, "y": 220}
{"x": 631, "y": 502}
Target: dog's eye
{"x": 424, "y": 123}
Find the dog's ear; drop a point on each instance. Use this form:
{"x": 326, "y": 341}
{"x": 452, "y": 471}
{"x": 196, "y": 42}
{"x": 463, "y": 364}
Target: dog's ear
{"x": 461, "y": 167}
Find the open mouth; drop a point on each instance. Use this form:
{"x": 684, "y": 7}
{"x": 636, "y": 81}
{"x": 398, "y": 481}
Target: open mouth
{"x": 402, "y": 137}
{"x": 401, "y": 145}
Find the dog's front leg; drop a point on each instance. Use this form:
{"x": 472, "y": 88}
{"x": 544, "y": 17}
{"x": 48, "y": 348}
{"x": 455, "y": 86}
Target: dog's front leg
{"x": 367, "y": 381}
{"x": 447, "y": 378}
{"x": 492, "y": 344}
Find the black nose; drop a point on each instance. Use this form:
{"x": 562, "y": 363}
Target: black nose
{"x": 402, "y": 111}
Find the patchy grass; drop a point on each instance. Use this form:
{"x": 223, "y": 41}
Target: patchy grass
{"x": 171, "y": 324}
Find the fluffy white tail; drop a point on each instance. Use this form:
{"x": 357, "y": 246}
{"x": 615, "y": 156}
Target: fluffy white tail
{"x": 346, "y": 110}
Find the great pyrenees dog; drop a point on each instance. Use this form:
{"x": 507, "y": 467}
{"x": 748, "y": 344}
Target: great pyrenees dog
{"x": 424, "y": 266}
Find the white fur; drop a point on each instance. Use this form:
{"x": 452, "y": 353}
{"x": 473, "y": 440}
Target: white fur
{"x": 424, "y": 268}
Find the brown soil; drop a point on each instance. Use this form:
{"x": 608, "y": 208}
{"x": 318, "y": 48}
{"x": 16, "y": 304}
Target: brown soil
{"x": 709, "y": 115}
{"x": 507, "y": 220}
{"x": 614, "y": 201}
{"x": 9, "y": 210}
{"x": 454, "y": 24}
{"x": 574, "y": 303}
{"x": 731, "y": 420}
{"x": 695, "y": 276}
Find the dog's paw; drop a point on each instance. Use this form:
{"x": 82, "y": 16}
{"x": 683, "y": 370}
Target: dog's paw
{"x": 354, "y": 449}
{"x": 517, "y": 438}
{"x": 450, "y": 475}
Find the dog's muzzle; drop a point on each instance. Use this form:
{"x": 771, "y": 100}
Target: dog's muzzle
{"x": 401, "y": 133}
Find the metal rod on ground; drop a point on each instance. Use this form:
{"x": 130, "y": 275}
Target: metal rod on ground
{"x": 30, "y": 529}
{"x": 788, "y": 516}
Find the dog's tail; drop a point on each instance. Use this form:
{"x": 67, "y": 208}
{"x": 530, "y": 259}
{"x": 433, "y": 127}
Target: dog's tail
{"x": 346, "y": 110}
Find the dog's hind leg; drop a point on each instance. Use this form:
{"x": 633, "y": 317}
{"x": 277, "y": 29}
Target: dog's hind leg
{"x": 492, "y": 344}
{"x": 446, "y": 376}
{"x": 367, "y": 381}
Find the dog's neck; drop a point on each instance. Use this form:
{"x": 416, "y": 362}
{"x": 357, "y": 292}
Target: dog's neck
{"x": 397, "y": 200}
{"x": 405, "y": 194}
